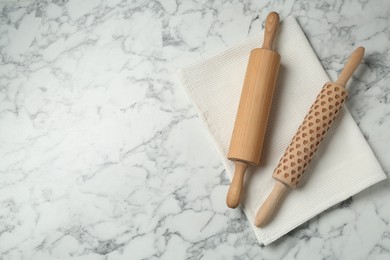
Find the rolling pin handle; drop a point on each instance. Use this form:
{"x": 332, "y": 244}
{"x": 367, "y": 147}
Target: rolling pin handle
{"x": 270, "y": 204}
{"x": 271, "y": 26}
{"x": 234, "y": 193}
{"x": 351, "y": 66}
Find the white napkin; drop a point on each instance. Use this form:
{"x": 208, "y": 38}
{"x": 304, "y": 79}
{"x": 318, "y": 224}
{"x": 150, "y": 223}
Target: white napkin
{"x": 344, "y": 163}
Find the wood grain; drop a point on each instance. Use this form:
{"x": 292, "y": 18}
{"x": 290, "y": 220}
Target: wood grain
{"x": 254, "y": 107}
{"x": 253, "y": 110}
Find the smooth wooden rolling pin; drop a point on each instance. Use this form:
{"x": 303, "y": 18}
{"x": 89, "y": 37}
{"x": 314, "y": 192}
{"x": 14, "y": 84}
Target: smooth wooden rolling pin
{"x": 305, "y": 142}
{"x": 253, "y": 110}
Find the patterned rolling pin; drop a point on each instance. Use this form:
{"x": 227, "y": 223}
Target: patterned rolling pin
{"x": 305, "y": 142}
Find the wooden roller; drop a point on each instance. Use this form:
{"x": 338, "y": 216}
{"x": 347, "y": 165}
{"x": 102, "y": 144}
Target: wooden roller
{"x": 253, "y": 110}
{"x": 305, "y": 142}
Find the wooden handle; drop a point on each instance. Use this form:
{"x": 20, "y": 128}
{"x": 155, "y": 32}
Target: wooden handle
{"x": 271, "y": 26}
{"x": 234, "y": 193}
{"x": 351, "y": 66}
{"x": 270, "y": 204}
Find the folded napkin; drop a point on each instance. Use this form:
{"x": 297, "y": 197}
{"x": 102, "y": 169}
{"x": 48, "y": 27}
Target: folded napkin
{"x": 344, "y": 163}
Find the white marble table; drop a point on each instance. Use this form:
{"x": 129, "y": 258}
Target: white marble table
{"x": 103, "y": 156}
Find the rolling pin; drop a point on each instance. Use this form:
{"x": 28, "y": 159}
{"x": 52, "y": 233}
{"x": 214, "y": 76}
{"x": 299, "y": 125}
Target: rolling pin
{"x": 305, "y": 142}
{"x": 253, "y": 110}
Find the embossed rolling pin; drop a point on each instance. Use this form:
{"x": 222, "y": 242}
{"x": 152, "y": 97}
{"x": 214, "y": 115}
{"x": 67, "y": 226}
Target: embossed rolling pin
{"x": 304, "y": 144}
{"x": 253, "y": 110}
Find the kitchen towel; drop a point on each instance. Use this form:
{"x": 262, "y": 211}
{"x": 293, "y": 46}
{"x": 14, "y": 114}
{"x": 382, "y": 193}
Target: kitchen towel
{"x": 344, "y": 163}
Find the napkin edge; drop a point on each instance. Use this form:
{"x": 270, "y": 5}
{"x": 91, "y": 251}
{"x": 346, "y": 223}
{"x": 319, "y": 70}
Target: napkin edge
{"x": 362, "y": 185}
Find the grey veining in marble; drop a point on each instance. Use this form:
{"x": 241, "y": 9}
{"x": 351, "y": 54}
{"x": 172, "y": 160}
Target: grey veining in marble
{"x": 103, "y": 156}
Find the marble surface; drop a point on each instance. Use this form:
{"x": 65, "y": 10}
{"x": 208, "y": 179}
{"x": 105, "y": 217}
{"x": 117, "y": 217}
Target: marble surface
{"x": 103, "y": 156}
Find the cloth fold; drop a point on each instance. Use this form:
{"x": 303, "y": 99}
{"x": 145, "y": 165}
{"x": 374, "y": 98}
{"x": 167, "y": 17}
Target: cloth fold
{"x": 344, "y": 163}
